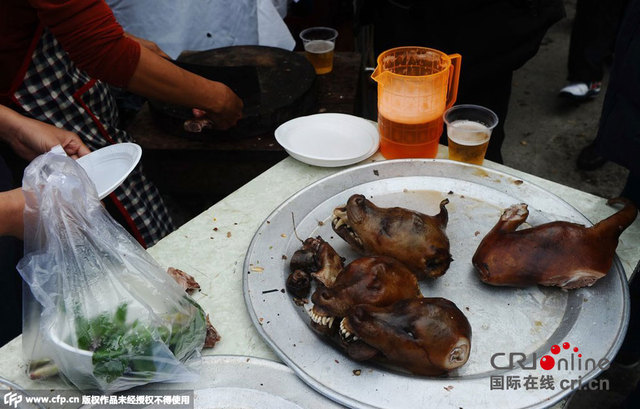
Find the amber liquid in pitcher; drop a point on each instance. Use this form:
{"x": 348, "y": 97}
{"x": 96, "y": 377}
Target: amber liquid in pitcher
{"x": 401, "y": 140}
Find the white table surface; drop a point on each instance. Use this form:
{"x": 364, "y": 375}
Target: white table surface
{"x": 212, "y": 247}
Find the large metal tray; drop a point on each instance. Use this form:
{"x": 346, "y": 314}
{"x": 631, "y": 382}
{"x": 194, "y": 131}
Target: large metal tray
{"x": 244, "y": 382}
{"x": 234, "y": 381}
{"x": 503, "y": 320}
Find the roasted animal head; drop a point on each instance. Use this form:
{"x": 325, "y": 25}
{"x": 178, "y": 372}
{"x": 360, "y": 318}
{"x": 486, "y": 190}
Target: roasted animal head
{"x": 377, "y": 281}
{"x": 563, "y": 254}
{"x": 416, "y": 239}
{"x": 427, "y": 336}
{"x": 319, "y": 259}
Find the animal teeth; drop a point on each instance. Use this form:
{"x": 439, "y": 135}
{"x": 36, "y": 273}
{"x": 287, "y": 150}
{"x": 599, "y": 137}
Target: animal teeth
{"x": 312, "y": 315}
{"x": 340, "y": 218}
{"x": 319, "y": 319}
{"x": 338, "y": 212}
{"x": 355, "y": 237}
{"x": 346, "y": 334}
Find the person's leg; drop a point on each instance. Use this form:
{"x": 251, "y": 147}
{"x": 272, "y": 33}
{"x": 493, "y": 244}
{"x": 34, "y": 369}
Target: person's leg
{"x": 591, "y": 46}
{"x": 629, "y": 353}
{"x": 592, "y": 38}
{"x": 631, "y": 189}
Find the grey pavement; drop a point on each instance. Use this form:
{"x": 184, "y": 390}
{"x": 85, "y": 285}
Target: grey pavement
{"x": 545, "y": 133}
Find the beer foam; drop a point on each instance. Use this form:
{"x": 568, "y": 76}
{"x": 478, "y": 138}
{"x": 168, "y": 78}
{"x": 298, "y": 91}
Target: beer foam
{"x": 466, "y": 132}
{"x": 319, "y": 46}
{"x": 409, "y": 106}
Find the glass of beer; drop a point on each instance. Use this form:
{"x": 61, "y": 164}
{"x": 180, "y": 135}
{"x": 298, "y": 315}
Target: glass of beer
{"x": 468, "y": 132}
{"x": 319, "y": 43}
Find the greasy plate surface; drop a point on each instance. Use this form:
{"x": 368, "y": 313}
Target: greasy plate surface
{"x": 503, "y": 320}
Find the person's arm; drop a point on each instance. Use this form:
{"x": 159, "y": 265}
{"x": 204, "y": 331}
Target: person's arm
{"x": 150, "y": 45}
{"x": 30, "y": 137}
{"x": 158, "y": 78}
{"x": 11, "y": 209}
{"x": 88, "y": 31}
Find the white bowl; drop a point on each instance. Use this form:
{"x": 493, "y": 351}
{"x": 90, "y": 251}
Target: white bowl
{"x": 82, "y": 361}
{"x": 329, "y": 140}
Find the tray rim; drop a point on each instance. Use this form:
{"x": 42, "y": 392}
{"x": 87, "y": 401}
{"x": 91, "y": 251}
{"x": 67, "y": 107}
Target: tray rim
{"x": 350, "y": 402}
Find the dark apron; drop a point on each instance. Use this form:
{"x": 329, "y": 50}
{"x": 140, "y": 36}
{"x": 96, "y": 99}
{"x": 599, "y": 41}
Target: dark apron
{"x": 53, "y": 90}
{"x": 10, "y": 281}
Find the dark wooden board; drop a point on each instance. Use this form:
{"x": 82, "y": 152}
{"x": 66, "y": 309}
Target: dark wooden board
{"x": 275, "y": 84}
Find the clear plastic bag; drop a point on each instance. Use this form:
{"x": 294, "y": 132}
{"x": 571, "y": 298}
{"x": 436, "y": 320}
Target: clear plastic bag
{"x": 111, "y": 317}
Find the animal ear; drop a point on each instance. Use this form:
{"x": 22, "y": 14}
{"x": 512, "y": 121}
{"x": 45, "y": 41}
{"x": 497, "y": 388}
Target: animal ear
{"x": 374, "y": 284}
{"x": 512, "y": 217}
{"x": 443, "y": 216}
{"x": 417, "y": 221}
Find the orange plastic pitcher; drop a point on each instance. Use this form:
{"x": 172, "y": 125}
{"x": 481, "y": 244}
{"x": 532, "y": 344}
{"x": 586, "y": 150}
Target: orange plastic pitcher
{"x": 415, "y": 86}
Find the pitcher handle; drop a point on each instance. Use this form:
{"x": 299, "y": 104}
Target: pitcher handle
{"x": 454, "y": 76}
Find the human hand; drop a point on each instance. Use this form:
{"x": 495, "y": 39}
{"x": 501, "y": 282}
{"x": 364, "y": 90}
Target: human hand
{"x": 149, "y": 45}
{"x": 227, "y": 110}
{"x": 29, "y": 137}
{"x": 156, "y": 78}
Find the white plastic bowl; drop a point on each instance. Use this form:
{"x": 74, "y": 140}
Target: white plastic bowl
{"x": 329, "y": 140}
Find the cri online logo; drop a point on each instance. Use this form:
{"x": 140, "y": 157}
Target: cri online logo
{"x": 548, "y": 362}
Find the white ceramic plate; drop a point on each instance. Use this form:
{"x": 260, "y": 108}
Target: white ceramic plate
{"x": 108, "y": 167}
{"x": 328, "y": 140}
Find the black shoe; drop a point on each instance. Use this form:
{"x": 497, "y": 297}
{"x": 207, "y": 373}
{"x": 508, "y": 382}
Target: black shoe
{"x": 590, "y": 159}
